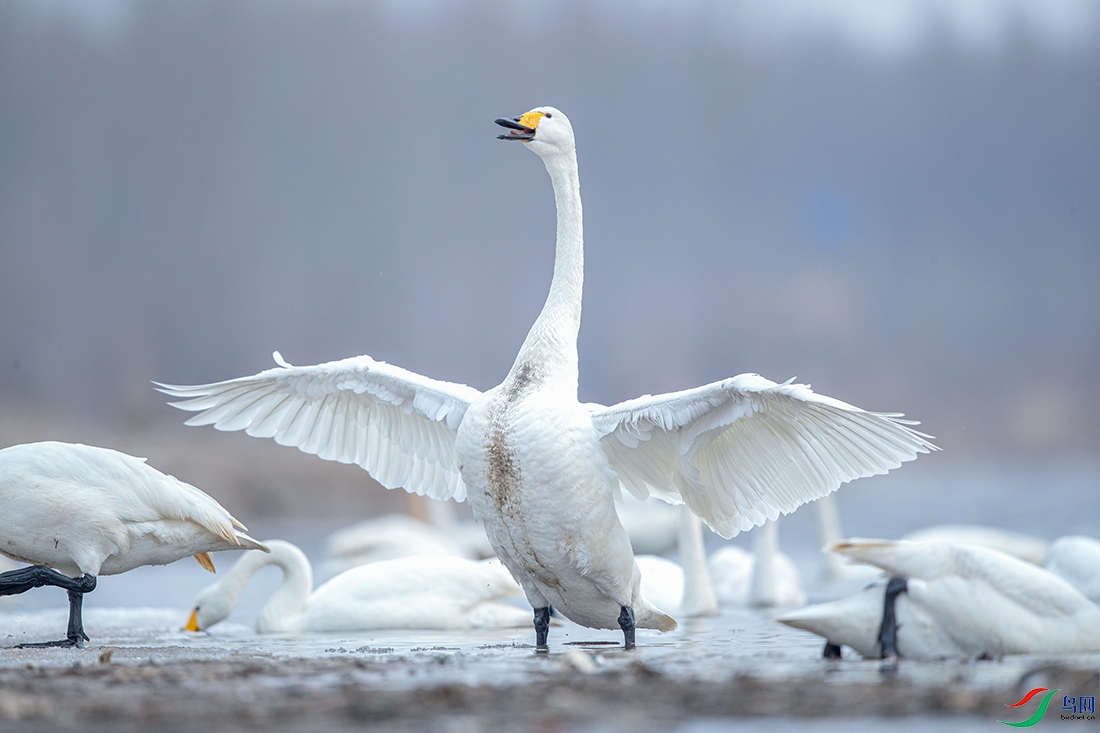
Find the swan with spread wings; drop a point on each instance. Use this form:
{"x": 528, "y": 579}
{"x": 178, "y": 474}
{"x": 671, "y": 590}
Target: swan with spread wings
{"x": 539, "y": 468}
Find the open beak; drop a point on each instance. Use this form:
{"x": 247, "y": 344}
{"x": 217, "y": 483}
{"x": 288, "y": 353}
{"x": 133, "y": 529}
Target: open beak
{"x": 193, "y": 621}
{"x": 518, "y": 131}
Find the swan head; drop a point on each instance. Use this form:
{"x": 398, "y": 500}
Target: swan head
{"x": 545, "y": 130}
{"x": 212, "y": 605}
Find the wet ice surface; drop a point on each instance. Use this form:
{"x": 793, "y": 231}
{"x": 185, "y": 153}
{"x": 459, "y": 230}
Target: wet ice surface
{"x": 740, "y": 664}
{"x": 696, "y": 678}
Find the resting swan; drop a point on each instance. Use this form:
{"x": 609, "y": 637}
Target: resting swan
{"x": 414, "y": 592}
{"x": 74, "y": 512}
{"x": 953, "y": 601}
{"x": 539, "y": 468}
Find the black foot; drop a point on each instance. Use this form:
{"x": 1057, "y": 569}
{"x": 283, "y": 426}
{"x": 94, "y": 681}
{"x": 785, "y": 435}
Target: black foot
{"x": 831, "y": 651}
{"x": 888, "y": 633}
{"x": 542, "y": 628}
{"x": 626, "y": 623}
{"x": 64, "y": 643}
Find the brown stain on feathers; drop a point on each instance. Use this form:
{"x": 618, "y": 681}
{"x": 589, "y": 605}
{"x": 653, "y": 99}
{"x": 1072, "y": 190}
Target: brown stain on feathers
{"x": 504, "y": 477}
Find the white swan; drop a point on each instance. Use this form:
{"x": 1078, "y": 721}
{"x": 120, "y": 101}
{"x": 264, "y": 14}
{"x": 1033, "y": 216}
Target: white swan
{"x": 767, "y": 578}
{"x": 541, "y": 469}
{"x": 730, "y": 578}
{"x": 412, "y": 592}
{"x": 1077, "y": 559}
{"x": 955, "y": 601}
{"x": 85, "y": 512}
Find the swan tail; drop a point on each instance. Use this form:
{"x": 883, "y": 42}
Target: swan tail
{"x": 248, "y": 543}
{"x": 651, "y": 618}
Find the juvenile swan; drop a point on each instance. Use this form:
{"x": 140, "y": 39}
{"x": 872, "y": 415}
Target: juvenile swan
{"x": 415, "y": 592}
{"x": 75, "y": 512}
{"x": 541, "y": 469}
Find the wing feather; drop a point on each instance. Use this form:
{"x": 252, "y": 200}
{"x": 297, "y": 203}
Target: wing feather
{"x": 397, "y": 425}
{"x": 746, "y": 449}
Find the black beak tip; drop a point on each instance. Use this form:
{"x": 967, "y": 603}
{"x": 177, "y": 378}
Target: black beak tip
{"x": 513, "y": 124}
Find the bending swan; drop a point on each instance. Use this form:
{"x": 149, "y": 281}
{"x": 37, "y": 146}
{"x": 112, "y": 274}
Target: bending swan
{"x": 414, "y": 592}
{"x": 953, "y": 601}
{"x": 541, "y": 469}
{"x": 74, "y": 512}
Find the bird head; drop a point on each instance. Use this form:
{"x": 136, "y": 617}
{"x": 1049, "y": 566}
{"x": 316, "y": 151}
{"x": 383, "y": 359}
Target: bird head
{"x": 545, "y": 130}
{"x": 211, "y": 606}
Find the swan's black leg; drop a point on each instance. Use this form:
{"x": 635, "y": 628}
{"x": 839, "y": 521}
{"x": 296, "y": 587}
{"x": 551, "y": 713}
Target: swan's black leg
{"x": 626, "y": 623}
{"x": 36, "y": 576}
{"x": 542, "y": 628}
{"x": 888, "y": 633}
{"x": 22, "y": 580}
{"x": 831, "y": 651}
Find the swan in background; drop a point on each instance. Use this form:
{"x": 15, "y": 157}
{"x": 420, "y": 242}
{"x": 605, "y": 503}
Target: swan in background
{"x": 540, "y": 469}
{"x": 731, "y": 578}
{"x": 1077, "y": 559}
{"x": 767, "y": 578}
{"x": 953, "y": 601}
{"x": 74, "y": 512}
{"x": 1026, "y": 547}
{"x": 414, "y": 592}
{"x": 683, "y": 589}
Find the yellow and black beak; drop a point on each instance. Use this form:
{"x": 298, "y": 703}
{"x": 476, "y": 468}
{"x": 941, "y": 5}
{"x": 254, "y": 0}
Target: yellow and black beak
{"x": 522, "y": 128}
{"x": 192, "y": 621}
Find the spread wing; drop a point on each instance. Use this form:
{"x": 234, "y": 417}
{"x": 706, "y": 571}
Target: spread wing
{"x": 397, "y": 425}
{"x": 746, "y": 449}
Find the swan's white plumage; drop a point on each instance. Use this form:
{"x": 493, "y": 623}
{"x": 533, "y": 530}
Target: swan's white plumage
{"x": 961, "y": 601}
{"x": 540, "y": 469}
{"x": 81, "y": 509}
{"x": 397, "y": 425}
{"x": 1077, "y": 559}
{"x": 745, "y": 449}
{"x": 405, "y": 593}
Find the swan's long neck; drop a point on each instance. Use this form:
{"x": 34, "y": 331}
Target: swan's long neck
{"x": 289, "y": 600}
{"x": 699, "y": 598}
{"x": 763, "y": 590}
{"x": 549, "y": 353}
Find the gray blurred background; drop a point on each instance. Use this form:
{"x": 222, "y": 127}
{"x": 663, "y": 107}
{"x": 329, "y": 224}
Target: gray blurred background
{"x": 898, "y": 203}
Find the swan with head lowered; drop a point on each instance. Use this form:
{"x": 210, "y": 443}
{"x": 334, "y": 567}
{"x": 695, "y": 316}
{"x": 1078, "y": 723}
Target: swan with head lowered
{"x": 74, "y": 512}
{"x": 414, "y": 592}
{"x": 952, "y": 600}
{"x": 539, "y": 468}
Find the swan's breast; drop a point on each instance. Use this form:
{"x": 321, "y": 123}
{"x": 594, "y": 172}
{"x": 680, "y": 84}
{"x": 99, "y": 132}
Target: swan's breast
{"x": 539, "y": 481}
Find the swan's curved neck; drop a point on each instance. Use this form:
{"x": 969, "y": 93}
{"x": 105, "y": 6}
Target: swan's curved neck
{"x": 549, "y": 353}
{"x": 289, "y": 600}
